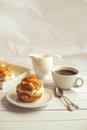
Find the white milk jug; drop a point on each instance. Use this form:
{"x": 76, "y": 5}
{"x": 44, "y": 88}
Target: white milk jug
{"x": 42, "y": 64}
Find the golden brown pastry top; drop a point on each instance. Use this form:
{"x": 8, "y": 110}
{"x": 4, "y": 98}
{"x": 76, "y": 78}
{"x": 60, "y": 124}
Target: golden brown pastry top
{"x": 30, "y": 83}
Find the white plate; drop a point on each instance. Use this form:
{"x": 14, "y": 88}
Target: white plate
{"x": 46, "y": 98}
{"x": 19, "y": 72}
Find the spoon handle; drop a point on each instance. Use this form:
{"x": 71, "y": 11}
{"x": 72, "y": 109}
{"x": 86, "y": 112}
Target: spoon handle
{"x": 69, "y": 106}
{"x": 73, "y": 104}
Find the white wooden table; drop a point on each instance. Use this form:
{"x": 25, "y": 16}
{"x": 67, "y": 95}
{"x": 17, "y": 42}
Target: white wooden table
{"x": 54, "y": 26}
{"x": 53, "y": 116}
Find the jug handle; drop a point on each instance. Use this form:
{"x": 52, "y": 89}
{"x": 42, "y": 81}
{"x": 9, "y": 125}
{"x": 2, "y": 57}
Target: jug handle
{"x": 57, "y": 60}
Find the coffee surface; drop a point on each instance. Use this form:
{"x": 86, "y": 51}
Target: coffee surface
{"x": 66, "y": 72}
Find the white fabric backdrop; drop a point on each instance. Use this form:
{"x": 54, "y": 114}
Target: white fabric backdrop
{"x": 54, "y": 26}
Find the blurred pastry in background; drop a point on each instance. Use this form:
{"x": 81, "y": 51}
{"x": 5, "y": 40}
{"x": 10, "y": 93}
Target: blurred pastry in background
{"x": 6, "y": 72}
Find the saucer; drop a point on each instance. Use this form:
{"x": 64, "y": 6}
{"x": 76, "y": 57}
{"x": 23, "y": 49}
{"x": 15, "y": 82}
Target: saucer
{"x": 46, "y": 98}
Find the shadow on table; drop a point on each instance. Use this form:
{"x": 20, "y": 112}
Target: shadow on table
{"x": 7, "y": 106}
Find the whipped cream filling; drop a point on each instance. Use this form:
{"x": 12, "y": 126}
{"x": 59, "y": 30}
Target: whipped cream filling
{"x": 41, "y": 90}
{"x": 7, "y": 77}
{"x": 3, "y": 65}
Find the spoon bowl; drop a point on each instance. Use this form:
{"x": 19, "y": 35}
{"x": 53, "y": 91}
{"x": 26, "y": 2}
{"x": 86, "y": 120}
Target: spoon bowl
{"x": 59, "y": 92}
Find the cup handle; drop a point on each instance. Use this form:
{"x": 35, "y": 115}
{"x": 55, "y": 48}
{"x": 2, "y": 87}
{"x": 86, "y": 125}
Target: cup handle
{"x": 57, "y": 59}
{"x": 76, "y": 85}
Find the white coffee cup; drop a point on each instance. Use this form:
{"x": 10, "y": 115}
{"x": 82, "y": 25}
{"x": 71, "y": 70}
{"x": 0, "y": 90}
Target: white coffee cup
{"x": 67, "y": 77}
{"x": 43, "y": 64}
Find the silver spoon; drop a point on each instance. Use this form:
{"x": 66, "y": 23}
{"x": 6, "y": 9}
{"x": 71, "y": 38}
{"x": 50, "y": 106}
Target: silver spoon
{"x": 59, "y": 93}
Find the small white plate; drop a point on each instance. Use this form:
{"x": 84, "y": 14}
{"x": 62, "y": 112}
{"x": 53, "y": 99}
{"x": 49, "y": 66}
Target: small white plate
{"x": 46, "y": 98}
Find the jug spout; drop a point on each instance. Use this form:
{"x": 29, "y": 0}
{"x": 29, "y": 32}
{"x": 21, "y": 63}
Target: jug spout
{"x": 33, "y": 56}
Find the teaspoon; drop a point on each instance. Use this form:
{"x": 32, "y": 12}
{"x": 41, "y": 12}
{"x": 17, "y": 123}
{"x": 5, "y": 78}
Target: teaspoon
{"x": 59, "y": 93}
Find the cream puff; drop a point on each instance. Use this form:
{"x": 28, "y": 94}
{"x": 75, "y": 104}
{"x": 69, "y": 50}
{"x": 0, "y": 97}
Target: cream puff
{"x": 29, "y": 89}
{"x": 6, "y": 72}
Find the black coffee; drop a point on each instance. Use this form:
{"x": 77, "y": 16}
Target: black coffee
{"x": 66, "y": 72}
